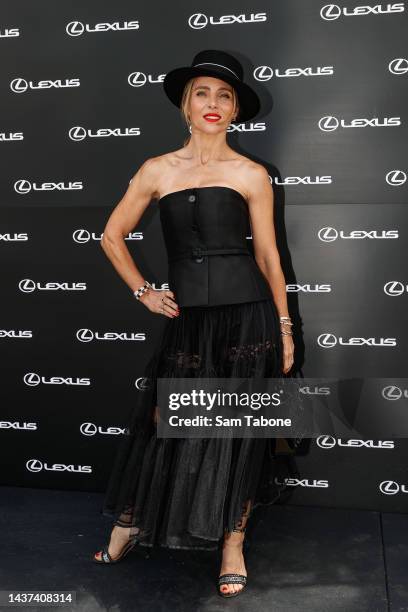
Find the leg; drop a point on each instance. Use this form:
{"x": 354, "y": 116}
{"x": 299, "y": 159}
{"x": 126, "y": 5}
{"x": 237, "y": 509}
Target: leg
{"x": 119, "y": 536}
{"x": 232, "y": 556}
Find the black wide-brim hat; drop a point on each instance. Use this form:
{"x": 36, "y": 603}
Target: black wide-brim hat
{"x": 218, "y": 64}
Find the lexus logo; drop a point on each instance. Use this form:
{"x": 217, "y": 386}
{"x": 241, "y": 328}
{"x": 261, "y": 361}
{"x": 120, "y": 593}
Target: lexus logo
{"x": 328, "y": 442}
{"x": 79, "y": 133}
{"x": 329, "y": 234}
{"x": 87, "y": 335}
{"x": 138, "y": 79}
{"x": 395, "y": 178}
{"x": 330, "y": 340}
{"x": 394, "y": 288}
{"x": 198, "y": 21}
{"x": 18, "y": 425}
{"x": 28, "y": 286}
{"x": 22, "y": 237}
{"x": 143, "y": 383}
{"x": 330, "y": 12}
{"x": 23, "y": 186}
{"x": 393, "y": 393}
{"x": 259, "y": 126}
{"x": 81, "y": 236}
{"x": 398, "y": 66}
{"x": 32, "y": 380}
{"x": 304, "y": 482}
{"x": 308, "y": 288}
{"x": 330, "y": 123}
{"x": 76, "y": 28}
{"x": 10, "y": 33}
{"x": 21, "y": 85}
{"x": 265, "y": 73}
{"x": 390, "y": 487}
{"x": 90, "y": 429}
{"x": 35, "y": 465}
{"x": 327, "y": 340}
{"x": 325, "y": 441}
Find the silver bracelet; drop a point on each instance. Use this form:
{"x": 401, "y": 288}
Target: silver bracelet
{"x": 286, "y": 321}
{"x": 139, "y": 292}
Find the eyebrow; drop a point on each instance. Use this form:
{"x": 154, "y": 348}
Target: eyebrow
{"x": 207, "y": 87}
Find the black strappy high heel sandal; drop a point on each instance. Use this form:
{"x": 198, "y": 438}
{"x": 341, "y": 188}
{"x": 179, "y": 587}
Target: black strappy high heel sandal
{"x": 106, "y": 557}
{"x": 232, "y": 578}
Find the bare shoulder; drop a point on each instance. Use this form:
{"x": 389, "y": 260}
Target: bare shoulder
{"x": 155, "y": 168}
{"x": 255, "y": 178}
{"x": 147, "y": 177}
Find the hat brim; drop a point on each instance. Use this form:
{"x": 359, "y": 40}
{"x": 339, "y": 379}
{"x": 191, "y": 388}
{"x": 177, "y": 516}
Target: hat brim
{"x": 175, "y": 80}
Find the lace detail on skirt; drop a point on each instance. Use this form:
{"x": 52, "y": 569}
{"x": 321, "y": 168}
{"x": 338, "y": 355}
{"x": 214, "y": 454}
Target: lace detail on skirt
{"x": 184, "y": 493}
{"x": 250, "y": 350}
{"x": 188, "y": 360}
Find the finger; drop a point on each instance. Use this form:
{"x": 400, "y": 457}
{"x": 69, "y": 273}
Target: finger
{"x": 166, "y": 310}
{"x": 170, "y": 305}
{"x": 170, "y": 296}
{"x": 169, "y": 316}
{"x": 170, "y": 312}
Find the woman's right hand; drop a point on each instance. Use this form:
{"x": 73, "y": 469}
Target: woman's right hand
{"x": 160, "y": 302}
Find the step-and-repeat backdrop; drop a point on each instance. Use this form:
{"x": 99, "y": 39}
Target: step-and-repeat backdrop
{"x": 82, "y": 107}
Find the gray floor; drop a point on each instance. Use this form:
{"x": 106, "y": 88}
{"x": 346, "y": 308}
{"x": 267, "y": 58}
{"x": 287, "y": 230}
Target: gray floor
{"x": 299, "y": 558}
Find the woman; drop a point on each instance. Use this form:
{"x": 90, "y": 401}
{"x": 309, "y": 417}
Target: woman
{"x": 227, "y": 316}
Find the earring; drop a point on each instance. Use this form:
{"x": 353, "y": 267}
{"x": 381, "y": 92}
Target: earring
{"x": 189, "y": 124}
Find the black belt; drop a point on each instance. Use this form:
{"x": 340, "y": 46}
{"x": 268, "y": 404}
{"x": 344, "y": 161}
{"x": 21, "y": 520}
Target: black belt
{"x": 198, "y": 252}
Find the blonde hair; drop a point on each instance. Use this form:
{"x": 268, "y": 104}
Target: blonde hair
{"x": 185, "y": 103}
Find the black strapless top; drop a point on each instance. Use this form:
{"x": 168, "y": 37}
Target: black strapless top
{"x": 210, "y": 259}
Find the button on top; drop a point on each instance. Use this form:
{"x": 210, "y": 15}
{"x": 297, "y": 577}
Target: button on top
{"x": 191, "y": 198}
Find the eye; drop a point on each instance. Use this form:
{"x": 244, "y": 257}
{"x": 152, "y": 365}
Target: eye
{"x": 200, "y": 92}
{"x": 227, "y": 95}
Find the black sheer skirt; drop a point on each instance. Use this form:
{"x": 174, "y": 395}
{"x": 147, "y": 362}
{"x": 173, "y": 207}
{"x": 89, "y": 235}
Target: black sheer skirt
{"x": 184, "y": 493}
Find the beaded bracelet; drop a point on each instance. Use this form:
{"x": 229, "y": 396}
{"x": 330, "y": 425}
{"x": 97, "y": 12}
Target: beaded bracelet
{"x": 142, "y": 290}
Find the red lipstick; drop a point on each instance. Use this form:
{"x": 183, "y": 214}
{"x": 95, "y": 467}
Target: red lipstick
{"x": 212, "y": 117}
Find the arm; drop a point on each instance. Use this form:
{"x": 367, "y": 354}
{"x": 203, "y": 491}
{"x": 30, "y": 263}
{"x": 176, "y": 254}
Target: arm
{"x": 261, "y": 205}
{"x": 123, "y": 220}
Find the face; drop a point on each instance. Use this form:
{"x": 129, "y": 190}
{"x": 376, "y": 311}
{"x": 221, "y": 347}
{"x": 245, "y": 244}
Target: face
{"x": 211, "y": 104}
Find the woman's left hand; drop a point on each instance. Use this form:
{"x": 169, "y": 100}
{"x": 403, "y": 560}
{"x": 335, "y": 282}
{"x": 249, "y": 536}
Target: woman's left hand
{"x": 288, "y": 352}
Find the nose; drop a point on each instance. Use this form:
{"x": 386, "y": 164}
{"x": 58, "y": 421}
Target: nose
{"x": 212, "y": 101}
